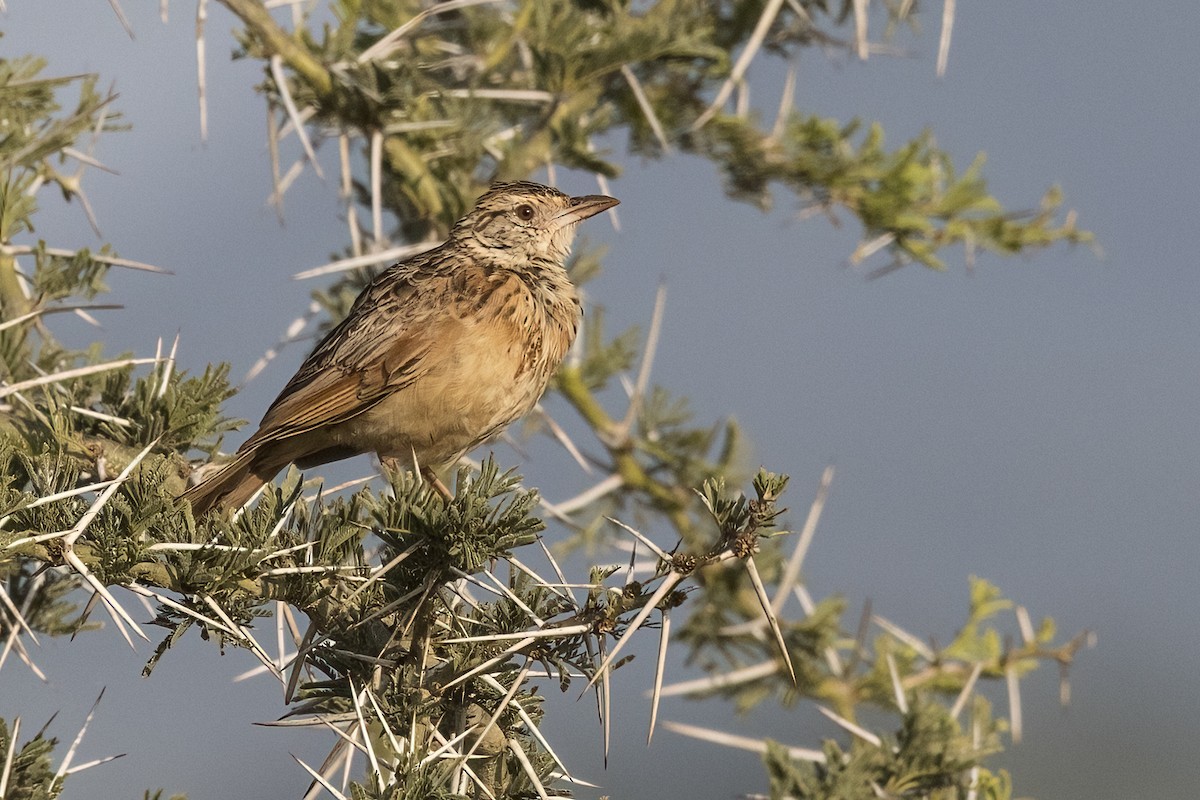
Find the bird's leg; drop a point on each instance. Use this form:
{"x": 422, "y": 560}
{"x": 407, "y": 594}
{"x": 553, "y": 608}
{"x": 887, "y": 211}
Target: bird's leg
{"x": 428, "y": 474}
{"x": 394, "y": 464}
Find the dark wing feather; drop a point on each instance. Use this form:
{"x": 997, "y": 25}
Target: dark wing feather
{"x": 377, "y": 349}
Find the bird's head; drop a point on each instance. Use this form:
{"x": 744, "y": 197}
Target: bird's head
{"x": 527, "y": 220}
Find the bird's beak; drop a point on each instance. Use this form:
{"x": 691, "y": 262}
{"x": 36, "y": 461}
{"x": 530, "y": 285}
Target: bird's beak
{"x": 589, "y": 205}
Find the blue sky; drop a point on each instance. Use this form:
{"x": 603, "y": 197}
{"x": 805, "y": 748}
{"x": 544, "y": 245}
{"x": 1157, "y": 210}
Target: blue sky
{"x": 1032, "y": 421}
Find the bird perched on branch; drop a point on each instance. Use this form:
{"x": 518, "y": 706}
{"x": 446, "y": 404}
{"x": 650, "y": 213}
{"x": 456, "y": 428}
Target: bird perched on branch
{"x": 437, "y": 355}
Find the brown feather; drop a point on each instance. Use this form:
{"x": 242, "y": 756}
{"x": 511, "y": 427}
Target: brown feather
{"x": 436, "y": 355}
{"x": 232, "y": 485}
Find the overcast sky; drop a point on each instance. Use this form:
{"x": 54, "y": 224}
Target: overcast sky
{"x": 1032, "y": 421}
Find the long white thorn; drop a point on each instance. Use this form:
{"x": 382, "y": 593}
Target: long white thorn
{"x": 787, "y": 99}
{"x": 528, "y": 640}
{"x": 558, "y": 590}
{"x": 119, "y": 615}
{"x": 8, "y": 757}
{"x": 602, "y": 181}
{"x": 503, "y": 704}
{"x": 17, "y": 616}
{"x": 944, "y": 40}
{"x": 922, "y": 649}
{"x": 530, "y": 725}
{"x": 1015, "y": 722}
{"x": 168, "y": 367}
{"x": 391, "y": 41}
{"x": 319, "y": 778}
{"x": 1026, "y": 625}
{"x": 965, "y": 694}
{"x": 393, "y": 742}
{"x": 761, "y": 592}
{"x": 643, "y": 102}
{"x": 517, "y": 601}
{"x": 857, "y": 730}
{"x": 277, "y": 190}
{"x": 56, "y": 310}
{"x": 41, "y": 501}
{"x": 104, "y": 497}
{"x": 378, "y": 575}
{"x": 515, "y": 747}
{"x": 366, "y": 735}
{"x": 658, "y": 551}
{"x": 553, "y": 562}
{"x": 643, "y": 379}
{"x": 289, "y": 688}
{"x": 377, "y": 187}
{"x": 770, "y": 11}
{"x": 26, "y": 659}
{"x": 660, "y": 664}
{"x": 446, "y": 748}
{"x": 67, "y": 374}
{"x": 201, "y": 67}
{"x": 369, "y": 259}
{"x": 740, "y": 742}
{"x": 65, "y": 766}
{"x": 564, "y": 439}
{"x": 93, "y": 763}
{"x": 605, "y": 696}
{"x": 293, "y": 113}
{"x": 88, "y": 159}
{"x": 588, "y": 496}
{"x": 23, "y": 249}
{"x": 897, "y": 685}
{"x": 346, "y": 190}
{"x": 723, "y": 680}
{"x": 124, "y": 20}
{"x": 861, "y": 45}
{"x": 566, "y": 630}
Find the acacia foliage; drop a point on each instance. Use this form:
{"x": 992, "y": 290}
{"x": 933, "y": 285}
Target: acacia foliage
{"x": 418, "y": 621}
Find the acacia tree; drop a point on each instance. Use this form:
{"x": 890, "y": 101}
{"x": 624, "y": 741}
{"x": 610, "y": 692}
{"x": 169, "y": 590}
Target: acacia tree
{"x": 418, "y": 622}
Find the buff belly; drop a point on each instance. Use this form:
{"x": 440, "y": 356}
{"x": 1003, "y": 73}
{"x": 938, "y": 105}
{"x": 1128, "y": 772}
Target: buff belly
{"x": 459, "y": 404}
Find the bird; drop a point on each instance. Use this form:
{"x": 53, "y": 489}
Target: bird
{"x": 438, "y": 353}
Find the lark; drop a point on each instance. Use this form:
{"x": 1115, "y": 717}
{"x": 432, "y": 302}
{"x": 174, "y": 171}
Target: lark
{"x": 437, "y": 355}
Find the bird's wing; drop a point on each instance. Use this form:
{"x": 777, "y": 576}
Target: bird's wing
{"x": 379, "y": 348}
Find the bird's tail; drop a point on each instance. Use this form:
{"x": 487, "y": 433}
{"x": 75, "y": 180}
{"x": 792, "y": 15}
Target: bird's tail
{"x": 233, "y": 484}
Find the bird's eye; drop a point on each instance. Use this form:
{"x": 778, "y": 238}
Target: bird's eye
{"x": 525, "y": 211}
